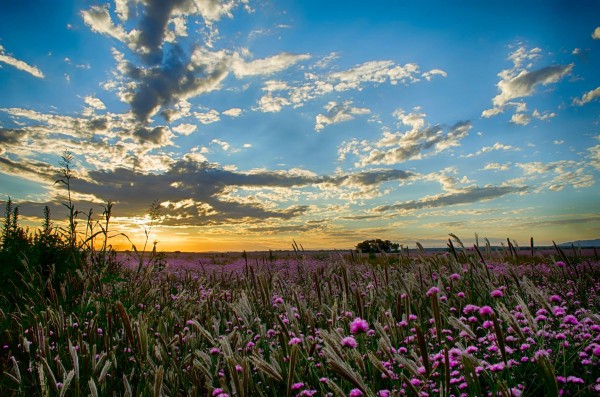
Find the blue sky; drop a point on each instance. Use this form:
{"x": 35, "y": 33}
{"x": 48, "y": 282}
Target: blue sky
{"x": 256, "y": 122}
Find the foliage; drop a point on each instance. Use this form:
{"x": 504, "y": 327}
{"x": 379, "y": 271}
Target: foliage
{"x": 377, "y": 245}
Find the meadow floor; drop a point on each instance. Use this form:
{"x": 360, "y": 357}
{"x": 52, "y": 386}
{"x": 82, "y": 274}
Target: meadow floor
{"x": 311, "y": 324}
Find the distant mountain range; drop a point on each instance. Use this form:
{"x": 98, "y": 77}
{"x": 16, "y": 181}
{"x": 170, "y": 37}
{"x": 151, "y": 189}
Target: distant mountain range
{"x": 583, "y": 243}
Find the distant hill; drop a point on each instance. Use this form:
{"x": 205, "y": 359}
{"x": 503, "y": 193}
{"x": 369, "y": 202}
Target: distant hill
{"x": 583, "y": 243}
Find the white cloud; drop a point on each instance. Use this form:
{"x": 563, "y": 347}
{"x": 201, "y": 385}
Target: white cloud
{"x": 233, "y": 112}
{"x": 265, "y": 66}
{"x": 520, "y": 82}
{"x": 212, "y": 116}
{"x": 434, "y": 72}
{"x": 337, "y": 113}
{"x": 520, "y": 119}
{"x": 375, "y": 72}
{"x": 269, "y": 103}
{"x": 224, "y": 145}
{"x": 587, "y": 97}
{"x": 523, "y": 84}
{"x": 17, "y": 63}
{"x": 496, "y": 167}
{"x": 421, "y": 141}
{"x": 94, "y": 102}
{"x": 494, "y": 147}
{"x": 596, "y": 33}
{"x": 99, "y": 20}
{"x": 544, "y": 115}
{"x": 185, "y": 129}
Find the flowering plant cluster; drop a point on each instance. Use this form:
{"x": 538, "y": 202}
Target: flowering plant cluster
{"x": 345, "y": 326}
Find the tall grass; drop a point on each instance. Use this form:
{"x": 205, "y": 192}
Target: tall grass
{"x": 465, "y": 323}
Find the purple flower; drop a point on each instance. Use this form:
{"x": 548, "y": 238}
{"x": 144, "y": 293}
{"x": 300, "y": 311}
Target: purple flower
{"x": 555, "y": 298}
{"x": 570, "y": 319}
{"x": 294, "y": 341}
{"x": 355, "y": 393}
{"x": 432, "y": 290}
{"x": 485, "y": 310}
{"x": 560, "y": 264}
{"x": 358, "y": 325}
{"x": 349, "y": 341}
{"x": 496, "y": 293}
{"x": 297, "y": 386}
{"x": 383, "y": 393}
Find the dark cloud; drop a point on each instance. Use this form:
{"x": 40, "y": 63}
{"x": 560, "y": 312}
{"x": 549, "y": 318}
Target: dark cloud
{"x": 465, "y": 196}
{"x": 158, "y": 136}
{"x": 10, "y": 136}
{"x": 153, "y": 26}
{"x": 368, "y": 178}
{"x": 176, "y": 78}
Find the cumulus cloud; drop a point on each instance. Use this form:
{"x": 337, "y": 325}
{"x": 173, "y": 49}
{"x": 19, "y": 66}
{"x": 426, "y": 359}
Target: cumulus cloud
{"x": 587, "y": 97}
{"x": 99, "y": 20}
{"x": 434, "y": 72}
{"x": 557, "y": 175}
{"x": 354, "y": 78}
{"x": 395, "y": 148}
{"x": 233, "y": 112}
{"x": 94, "y": 102}
{"x": 520, "y": 119}
{"x": 337, "y": 113}
{"x": 596, "y": 33}
{"x": 521, "y": 81}
{"x": 185, "y": 129}
{"x": 169, "y": 73}
{"x": 494, "y": 147}
{"x": 524, "y": 83}
{"x": 496, "y": 167}
{"x": 18, "y": 64}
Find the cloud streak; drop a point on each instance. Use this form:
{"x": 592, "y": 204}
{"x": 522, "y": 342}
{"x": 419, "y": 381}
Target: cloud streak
{"x": 19, "y": 64}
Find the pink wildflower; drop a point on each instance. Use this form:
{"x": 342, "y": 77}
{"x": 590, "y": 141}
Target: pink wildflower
{"x": 358, "y": 325}
{"x": 496, "y": 293}
{"x": 349, "y": 341}
{"x": 297, "y": 386}
{"x": 570, "y": 319}
{"x": 432, "y": 291}
{"x": 560, "y": 264}
{"x": 356, "y": 393}
{"x": 485, "y": 310}
{"x": 294, "y": 341}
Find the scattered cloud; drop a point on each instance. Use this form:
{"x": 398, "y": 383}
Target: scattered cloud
{"x": 587, "y": 97}
{"x": 99, "y": 20}
{"x": 94, "y": 102}
{"x": 18, "y": 64}
{"x": 265, "y": 66}
{"x": 496, "y": 167}
{"x": 434, "y": 72}
{"x": 596, "y": 33}
{"x": 337, "y": 113}
{"x": 419, "y": 142}
{"x": 464, "y": 196}
{"x": 233, "y": 112}
{"x": 521, "y": 81}
{"x": 520, "y": 119}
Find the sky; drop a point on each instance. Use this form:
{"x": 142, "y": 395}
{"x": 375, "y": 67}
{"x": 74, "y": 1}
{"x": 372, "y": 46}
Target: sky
{"x": 256, "y": 123}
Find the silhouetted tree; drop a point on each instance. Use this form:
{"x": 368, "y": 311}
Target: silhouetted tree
{"x": 377, "y": 245}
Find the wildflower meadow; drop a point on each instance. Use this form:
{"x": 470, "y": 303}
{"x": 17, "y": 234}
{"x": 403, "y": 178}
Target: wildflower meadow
{"x": 80, "y": 319}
